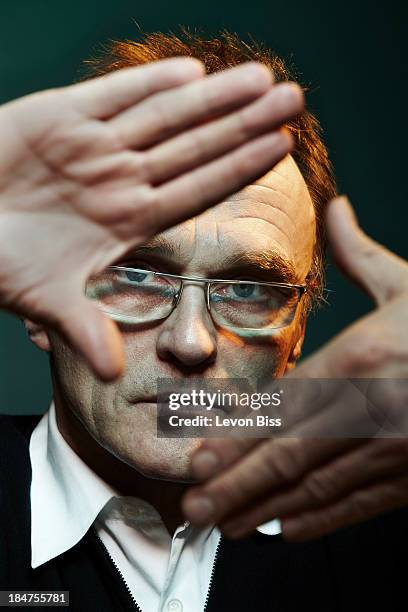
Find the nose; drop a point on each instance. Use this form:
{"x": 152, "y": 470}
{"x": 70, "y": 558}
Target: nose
{"x": 187, "y": 337}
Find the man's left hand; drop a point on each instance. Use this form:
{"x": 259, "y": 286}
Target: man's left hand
{"x": 317, "y": 485}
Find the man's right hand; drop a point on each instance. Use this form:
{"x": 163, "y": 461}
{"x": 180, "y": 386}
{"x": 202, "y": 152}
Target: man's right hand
{"x": 91, "y": 170}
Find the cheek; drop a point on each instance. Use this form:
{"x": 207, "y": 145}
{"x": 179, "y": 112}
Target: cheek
{"x": 77, "y": 387}
{"x": 254, "y": 359}
{"x": 141, "y": 363}
{"x": 71, "y": 372}
{"x": 139, "y": 345}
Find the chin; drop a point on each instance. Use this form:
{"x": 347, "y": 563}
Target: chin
{"x": 165, "y": 459}
{"x": 177, "y": 472}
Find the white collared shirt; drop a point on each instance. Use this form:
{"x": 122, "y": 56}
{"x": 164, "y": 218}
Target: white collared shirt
{"x": 163, "y": 573}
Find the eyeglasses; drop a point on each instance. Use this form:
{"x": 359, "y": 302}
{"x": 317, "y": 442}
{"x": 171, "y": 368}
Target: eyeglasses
{"x": 134, "y": 296}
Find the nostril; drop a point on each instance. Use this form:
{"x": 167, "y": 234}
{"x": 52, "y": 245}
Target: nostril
{"x": 194, "y": 350}
{"x": 189, "y": 345}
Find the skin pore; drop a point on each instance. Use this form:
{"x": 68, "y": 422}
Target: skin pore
{"x": 112, "y": 426}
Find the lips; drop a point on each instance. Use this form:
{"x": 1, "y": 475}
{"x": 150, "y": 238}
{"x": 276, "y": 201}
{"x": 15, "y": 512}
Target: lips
{"x": 163, "y": 408}
{"x": 198, "y": 396}
{"x": 146, "y": 400}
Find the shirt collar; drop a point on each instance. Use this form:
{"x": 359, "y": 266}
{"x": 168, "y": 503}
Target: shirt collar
{"x": 67, "y": 496}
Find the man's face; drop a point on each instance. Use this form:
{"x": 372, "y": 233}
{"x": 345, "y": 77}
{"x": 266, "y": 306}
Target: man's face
{"x": 273, "y": 216}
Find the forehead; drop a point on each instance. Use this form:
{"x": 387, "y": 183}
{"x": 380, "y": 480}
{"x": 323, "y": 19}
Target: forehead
{"x": 274, "y": 214}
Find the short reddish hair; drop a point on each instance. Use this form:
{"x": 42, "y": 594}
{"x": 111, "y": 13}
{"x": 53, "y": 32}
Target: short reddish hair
{"x": 223, "y": 52}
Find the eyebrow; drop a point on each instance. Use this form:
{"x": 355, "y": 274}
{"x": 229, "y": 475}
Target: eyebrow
{"x": 264, "y": 260}
{"x": 156, "y": 246}
{"x": 268, "y": 261}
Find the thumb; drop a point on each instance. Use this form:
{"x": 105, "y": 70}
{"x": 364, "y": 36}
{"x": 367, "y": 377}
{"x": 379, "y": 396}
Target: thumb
{"x": 378, "y": 271}
{"x": 88, "y": 331}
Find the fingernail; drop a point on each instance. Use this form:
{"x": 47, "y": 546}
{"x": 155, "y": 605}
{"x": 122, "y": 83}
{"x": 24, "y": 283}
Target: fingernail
{"x": 204, "y": 463}
{"x": 199, "y": 509}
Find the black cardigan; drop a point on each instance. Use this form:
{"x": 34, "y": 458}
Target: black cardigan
{"x": 357, "y": 569}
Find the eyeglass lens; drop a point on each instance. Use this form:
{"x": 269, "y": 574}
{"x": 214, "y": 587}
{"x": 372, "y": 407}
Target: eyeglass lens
{"x": 139, "y": 296}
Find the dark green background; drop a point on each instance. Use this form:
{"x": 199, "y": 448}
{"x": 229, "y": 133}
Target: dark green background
{"x": 351, "y": 56}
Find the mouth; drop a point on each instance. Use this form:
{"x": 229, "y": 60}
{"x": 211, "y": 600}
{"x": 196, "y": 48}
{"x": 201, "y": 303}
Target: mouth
{"x": 162, "y": 405}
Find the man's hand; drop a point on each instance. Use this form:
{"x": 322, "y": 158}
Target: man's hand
{"x": 89, "y": 171}
{"x": 316, "y": 484}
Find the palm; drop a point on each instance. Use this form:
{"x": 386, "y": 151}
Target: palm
{"x": 80, "y": 175}
{"x": 94, "y": 169}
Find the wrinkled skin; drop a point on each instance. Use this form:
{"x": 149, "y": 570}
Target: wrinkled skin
{"x": 275, "y": 214}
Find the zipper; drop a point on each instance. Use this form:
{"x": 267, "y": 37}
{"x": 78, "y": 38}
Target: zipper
{"x": 135, "y": 605}
{"x": 129, "y": 592}
{"x": 214, "y": 567}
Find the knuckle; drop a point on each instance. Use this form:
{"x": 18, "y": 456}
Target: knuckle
{"x": 319, "y": 486}
{"x": 147, "y": 217}
{"x": 281, "y": 459}
{"x": 146, "y": 166}
{"x": 194, "y": 147}
{"x": 136, "y": 219}
{"x": 136, "y": 165}
{"x": 227, "y": 493}
{"x": 246, "y": 124}
{"x": 160, "y": 110}
{"x": 200, "y": 142}
{"x": 208, "y": 96}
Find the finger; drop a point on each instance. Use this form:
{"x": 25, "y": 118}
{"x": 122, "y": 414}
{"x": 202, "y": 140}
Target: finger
{"x": 88, "y": 331}
{"x": 113, "y": 93}
{"x": 215, "y": 454}
{"x": 209, "y": 184}
{"x": 374, "y": 268}
{"x": 271, "y": 465}
{"x": 200, "y": 145}
{"x": 305, "y": 400}
{"x": 168, "y": 112}
{"x": 359, "y": 506}
{"x": 345, "y": 414}
{"x": 322, "y": 486}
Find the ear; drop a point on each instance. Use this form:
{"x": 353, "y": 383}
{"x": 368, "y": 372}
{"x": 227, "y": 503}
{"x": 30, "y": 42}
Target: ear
{"x": 296, "y": 349}
{"x": 37, "y": 335}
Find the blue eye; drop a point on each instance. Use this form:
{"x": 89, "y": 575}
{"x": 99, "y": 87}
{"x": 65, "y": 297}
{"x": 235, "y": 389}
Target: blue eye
{"x": 134, "y": 276}
{"x": 244, "y": 291}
